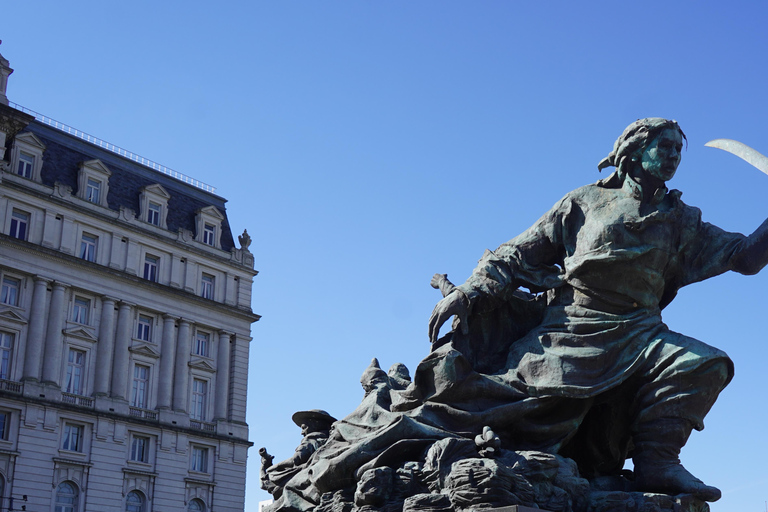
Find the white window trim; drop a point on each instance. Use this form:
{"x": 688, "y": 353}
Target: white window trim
{"x": 155, "y": 194}
{"x": 19, "y": 293}
{"x": 209, "y": 458}
{"x": 95, "y": 170}
{"x": 28, "y": 143}
{"x": 149, "y": 362}
{"x": 85, "y": 441}
{"x": 208, "y": 215}
{"x": 91, "y": 306}
{"x": 150, "y": 449}
{"x": 152, "y": 327}
{"x": 209, "y": 391}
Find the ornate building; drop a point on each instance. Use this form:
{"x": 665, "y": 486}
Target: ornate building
{"x": 124, "y": 329}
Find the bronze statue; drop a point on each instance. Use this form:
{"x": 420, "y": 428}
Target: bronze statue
{"x": 581, "y": 372}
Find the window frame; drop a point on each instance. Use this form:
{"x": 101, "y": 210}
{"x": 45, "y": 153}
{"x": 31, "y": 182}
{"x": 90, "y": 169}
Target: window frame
{"x": 81, "y": 310}
{"x": 27, "y": 144}
{"x": 202, "y": 345}
{"x": 140, "y": 386}
{"x": 151, "y": 267}
{"x": 154, "y": 195}
{"x": 133, "y": 507}
{"x": 200, "y": 459}
{"x": 145, "y": 326}
{"x": 12, "y": 299}
{"x": 207, "y": 286}
{"x": 6, "y": 354}
{"x": 145, "y": 440}
{"x": 96, "y": 171}
{"x": 199, "y": 400}
{"x": 17, "y": 224}
{"x": 67, "y": 429}
{"x": 60, "y": 506}
{"x": 88, "y": 248}
{"x": 76, "y": 372}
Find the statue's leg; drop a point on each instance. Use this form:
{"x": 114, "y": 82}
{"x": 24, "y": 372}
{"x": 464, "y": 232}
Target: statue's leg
{"x": 682, "y": 379}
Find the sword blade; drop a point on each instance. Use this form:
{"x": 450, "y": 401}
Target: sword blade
{"x": 746, "y": 153}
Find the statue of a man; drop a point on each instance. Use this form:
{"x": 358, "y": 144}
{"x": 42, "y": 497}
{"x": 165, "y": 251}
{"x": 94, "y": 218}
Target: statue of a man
{"x": 601, "y": 377}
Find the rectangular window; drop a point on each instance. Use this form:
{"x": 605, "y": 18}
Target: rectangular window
{"x": 202, "y": 342}
{"x": 75, "y": 372}
{"x": 26, "y": 162}
{"x": 206, "y": 286}
{"x": 153, "y": 213}
{"x": 19, "y": 224}
{"x": 6, "y": 353}
{"x": 88, "y": 247}
{"x": 73, "y": 438}
{"x": 199, "y": 399}
{"x": 144, "y": 331}
{"x": 150, "y": 267}
{"x": 93, "y": 191}
{"x": 5, "y": 424}
{"x": 209, "y": 234}
{"x": 140, "y": 449}
{"x": 10, "y": 291}
{"x": 199, "y": 459}
{"x": 81, "y": 310}
{"x": 140, "y": 386}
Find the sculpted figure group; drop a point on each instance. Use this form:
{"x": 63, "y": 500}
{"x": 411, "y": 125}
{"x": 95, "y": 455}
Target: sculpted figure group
{"x": 538, "y": 398}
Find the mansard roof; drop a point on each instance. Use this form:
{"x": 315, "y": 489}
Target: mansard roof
{"x": 64, "y": 154}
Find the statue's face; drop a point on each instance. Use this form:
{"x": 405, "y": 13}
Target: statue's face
{"x": 662, "y": 156}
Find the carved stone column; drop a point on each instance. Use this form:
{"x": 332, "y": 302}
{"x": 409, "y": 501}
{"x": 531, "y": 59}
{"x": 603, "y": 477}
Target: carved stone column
{"x": 105, "y": 347}
{"x": 222, "y": 377}
{"x": 120, "y": 358}
{"x": 36, "y": 333}
{"x": 181, "y": 375}
{"x": 53, "y": 339}
{"x": 167, "y": 357}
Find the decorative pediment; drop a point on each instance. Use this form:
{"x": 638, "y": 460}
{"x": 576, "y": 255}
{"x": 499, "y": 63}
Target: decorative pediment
{"x": 30, "y": 139}
{"x": 145, "y": 350}
{"x": 82, "y": 333}
{"x": 211, "y": 211}
{"x": 98, "y": 166}
{"x": 158, "y": 190}
{"x": 10, "y": 315}
{"x": 202, "y": 364}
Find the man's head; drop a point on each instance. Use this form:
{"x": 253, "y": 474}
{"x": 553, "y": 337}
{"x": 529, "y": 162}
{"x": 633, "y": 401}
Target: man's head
{"x": 653, "y": 142}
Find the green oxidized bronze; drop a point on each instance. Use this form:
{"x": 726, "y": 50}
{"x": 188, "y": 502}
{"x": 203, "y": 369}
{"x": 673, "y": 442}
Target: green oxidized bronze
{"x": 537, "y": 399}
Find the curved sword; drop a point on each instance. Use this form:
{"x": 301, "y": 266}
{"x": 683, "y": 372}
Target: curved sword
{"x": 742, "y": 151}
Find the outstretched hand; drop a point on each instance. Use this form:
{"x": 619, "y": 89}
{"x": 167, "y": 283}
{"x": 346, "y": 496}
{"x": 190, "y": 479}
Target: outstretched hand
{"x": 455, "y": 303}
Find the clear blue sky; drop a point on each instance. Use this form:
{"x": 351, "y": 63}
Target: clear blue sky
{"x": 366, "y": 145}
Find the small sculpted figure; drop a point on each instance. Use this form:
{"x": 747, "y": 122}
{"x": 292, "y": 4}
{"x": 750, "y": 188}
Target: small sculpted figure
{"x": 315, "y": 426}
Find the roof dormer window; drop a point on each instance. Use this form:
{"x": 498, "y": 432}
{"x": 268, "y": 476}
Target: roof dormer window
{"x": 153, "y": 201}
{"x": 93, "y": 182}
{"x": 27, "y": 156}
{"x": 208, "y": 224}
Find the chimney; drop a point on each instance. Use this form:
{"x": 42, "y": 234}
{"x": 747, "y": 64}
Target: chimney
{"x": 5, "y": 71}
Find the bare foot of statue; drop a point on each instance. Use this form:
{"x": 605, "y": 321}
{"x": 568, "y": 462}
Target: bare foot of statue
{"x": 672, "y": 478}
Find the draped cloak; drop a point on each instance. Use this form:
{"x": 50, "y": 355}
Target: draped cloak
{"x": 606, "y": 263}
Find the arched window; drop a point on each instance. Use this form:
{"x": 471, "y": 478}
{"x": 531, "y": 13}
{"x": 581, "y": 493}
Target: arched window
{"x": 196, "y": 506}
{"x": 134, "y": 502}
{"x": 66, "y": 497}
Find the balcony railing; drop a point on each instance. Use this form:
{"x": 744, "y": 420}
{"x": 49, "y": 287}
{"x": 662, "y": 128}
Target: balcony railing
{"x": 82, "y": 401}
{"x": 138, "y": 412}
{"x": 10, "y": 386}
{"x": 202, "y": 425}
{"x": 114, "y": 149}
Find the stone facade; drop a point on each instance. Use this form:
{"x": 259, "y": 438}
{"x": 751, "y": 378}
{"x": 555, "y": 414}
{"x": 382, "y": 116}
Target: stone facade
{"x": 124, "y": 332}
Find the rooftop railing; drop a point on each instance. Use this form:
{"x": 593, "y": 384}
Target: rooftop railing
{"x": 114, "y": 149}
